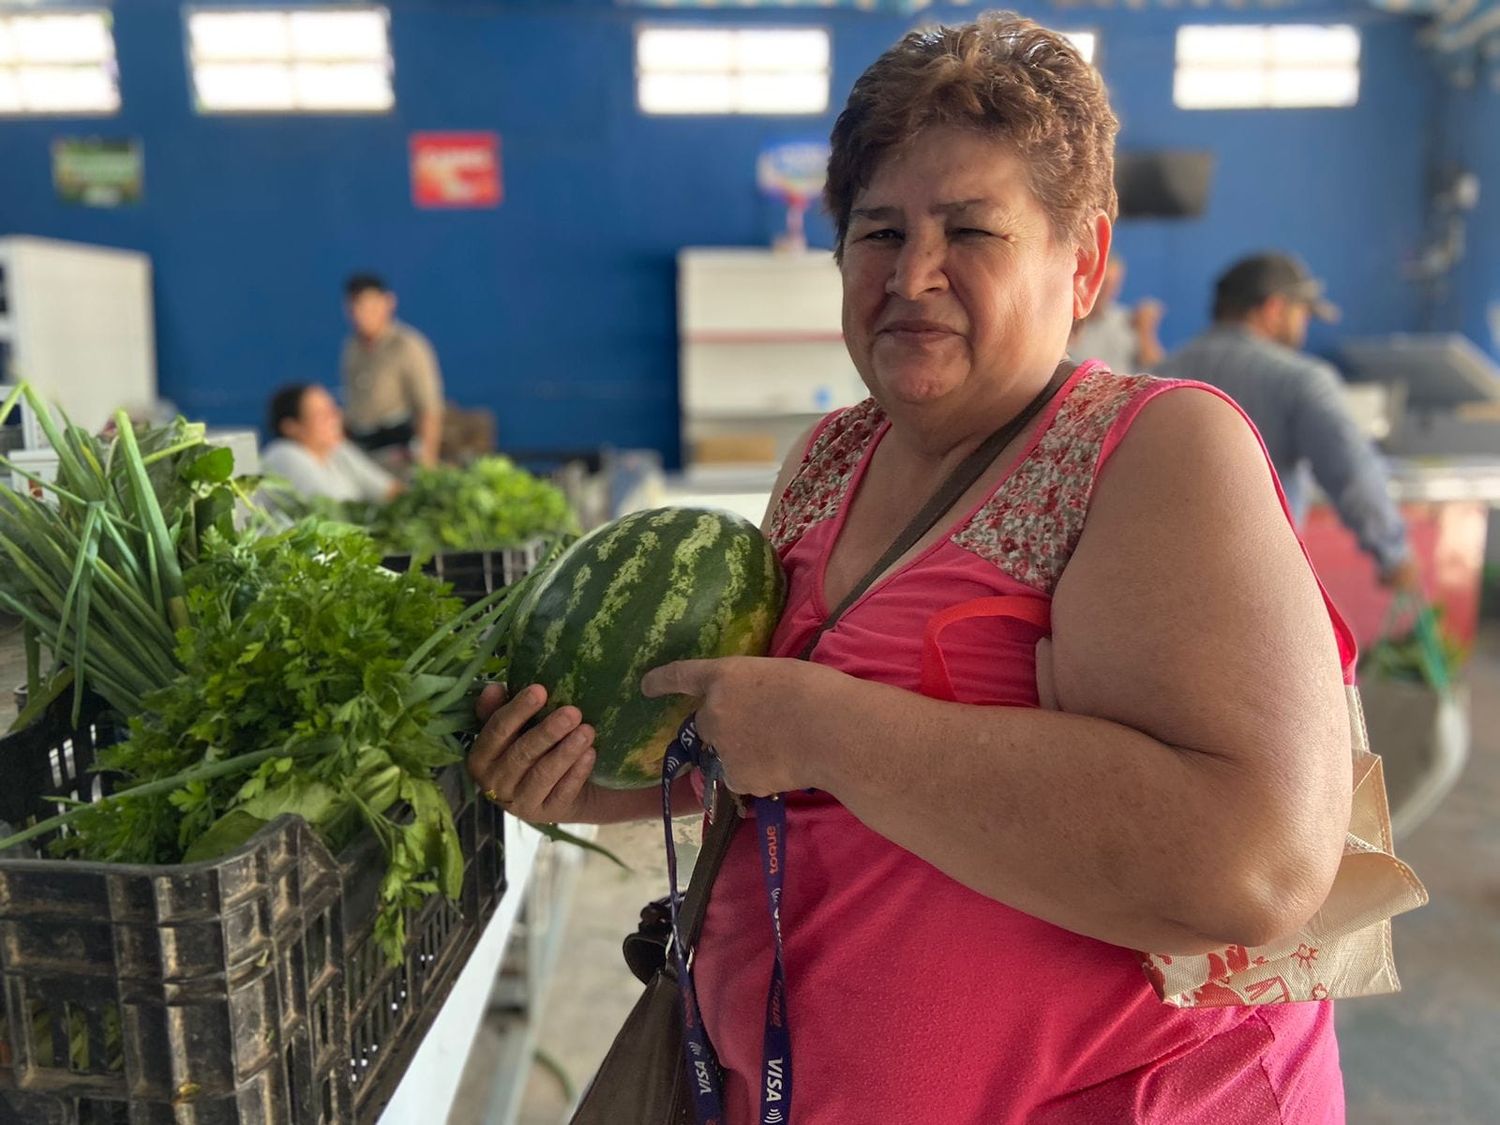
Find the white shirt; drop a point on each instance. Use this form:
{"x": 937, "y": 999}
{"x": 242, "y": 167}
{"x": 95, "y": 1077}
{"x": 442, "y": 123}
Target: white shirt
{"x": 347, "y": 474}
{"x": 1108, "y": 335}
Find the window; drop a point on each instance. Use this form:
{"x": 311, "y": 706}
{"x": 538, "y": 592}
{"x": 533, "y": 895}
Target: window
{"x": 58, "y": 63}
{"x": 1280, "y": 66}
{"x": 291, "y": 60}
{"x": 766, "y": 70}
{"x": 1085, "y": 41}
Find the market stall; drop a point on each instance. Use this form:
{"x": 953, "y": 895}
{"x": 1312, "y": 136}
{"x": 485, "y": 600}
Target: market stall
{"x": 1446, "y": 503}
{"x": 243, "y": 872}
{"x": 1416, "y": 697}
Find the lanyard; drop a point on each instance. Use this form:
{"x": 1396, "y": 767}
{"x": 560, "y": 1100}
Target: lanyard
{"x": 687, "y": 750}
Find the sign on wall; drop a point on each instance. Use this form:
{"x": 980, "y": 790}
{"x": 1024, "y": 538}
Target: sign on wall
{"x": 455, "y": 170}
{"x": 95, "y": 172}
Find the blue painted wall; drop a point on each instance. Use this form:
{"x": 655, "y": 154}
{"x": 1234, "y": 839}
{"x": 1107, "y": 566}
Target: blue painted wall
{"x": 558, "y": 309}
{"x": 1344, "y": 188}
{"x": 1471, "y": 124}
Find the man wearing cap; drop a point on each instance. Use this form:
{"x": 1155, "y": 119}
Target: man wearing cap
{"x": 1262, "y": 305}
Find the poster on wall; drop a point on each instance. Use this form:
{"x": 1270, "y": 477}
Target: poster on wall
{"x": 455, "y": 171}
{"x": 97, "y": 172}
{"x": 793, "y": 171}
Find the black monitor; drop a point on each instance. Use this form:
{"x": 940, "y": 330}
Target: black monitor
{"x": 1163, "y": 184}
{"x": 1441, "y": 370}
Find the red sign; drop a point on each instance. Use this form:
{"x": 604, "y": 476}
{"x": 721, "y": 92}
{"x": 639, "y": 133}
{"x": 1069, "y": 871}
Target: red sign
{"x": 455, "y": 170}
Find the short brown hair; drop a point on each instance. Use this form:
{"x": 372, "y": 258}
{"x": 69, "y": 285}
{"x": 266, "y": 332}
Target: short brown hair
{"x": 1004, "y": 76}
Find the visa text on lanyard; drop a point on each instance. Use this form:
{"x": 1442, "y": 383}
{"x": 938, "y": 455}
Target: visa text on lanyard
{"x": 686, "y": 750}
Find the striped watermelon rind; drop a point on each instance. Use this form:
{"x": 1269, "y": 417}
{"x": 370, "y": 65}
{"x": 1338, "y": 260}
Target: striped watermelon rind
{"x": 645, "y": 590}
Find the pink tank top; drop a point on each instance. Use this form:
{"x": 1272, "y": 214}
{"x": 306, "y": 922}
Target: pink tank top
{"x": 913, "y": 999}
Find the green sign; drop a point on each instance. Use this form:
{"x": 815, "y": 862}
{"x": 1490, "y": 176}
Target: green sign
{"x": 91, "y": 172}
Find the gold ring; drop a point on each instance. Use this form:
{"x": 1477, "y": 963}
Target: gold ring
{"x": 493, "y": 798}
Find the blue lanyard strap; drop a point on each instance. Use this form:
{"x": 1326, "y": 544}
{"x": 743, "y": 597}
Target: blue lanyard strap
{"x": 776, "y": 1051}
{"x": 702, "y": 1067}
{"x": 686, "y": 750}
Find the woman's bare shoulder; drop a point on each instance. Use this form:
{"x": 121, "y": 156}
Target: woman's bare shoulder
{"x": 1188, "y": 607}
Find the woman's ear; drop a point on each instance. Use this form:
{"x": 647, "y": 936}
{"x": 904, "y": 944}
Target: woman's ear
{"x": 1091, "y": 259}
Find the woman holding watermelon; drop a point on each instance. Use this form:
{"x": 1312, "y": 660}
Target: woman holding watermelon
{"x": 1097, "y": 708}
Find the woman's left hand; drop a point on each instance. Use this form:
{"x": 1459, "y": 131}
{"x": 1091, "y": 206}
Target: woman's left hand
{"x": 755, "y": 712}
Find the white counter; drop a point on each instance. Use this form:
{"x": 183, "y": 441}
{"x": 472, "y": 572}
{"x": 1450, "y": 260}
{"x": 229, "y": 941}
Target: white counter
{"x": 1436, "y": 479}
{"x": 747, "y": 488}
{"x": 427, "y": 1090}
{"x": 743, "y": 489}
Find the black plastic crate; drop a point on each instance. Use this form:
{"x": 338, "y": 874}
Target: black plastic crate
{"x": 477, "y": 574}
{"x": 245, "y": 990}
{"x": 53, "y": 759}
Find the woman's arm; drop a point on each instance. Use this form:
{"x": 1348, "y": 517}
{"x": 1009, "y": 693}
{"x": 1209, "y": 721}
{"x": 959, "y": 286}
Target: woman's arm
{"x": 1196, "y": 792}
{"x": 374, "y": 483}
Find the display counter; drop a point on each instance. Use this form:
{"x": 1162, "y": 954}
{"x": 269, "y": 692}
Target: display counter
{"x": 1446, "y": 503}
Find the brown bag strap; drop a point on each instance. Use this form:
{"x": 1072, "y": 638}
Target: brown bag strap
{"x": 724, "y": 818}
{"x": 959, "y": 481}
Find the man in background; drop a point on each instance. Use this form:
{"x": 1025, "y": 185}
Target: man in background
{"x": 393, "y": 392}
{"x": 1252, "y": 352}
{"x": 1124, "y": 338}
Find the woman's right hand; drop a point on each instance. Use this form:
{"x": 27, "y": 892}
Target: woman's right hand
{"x": 541, "y": 774}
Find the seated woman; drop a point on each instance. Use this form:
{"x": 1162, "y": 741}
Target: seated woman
{"x": 312, "y": 454}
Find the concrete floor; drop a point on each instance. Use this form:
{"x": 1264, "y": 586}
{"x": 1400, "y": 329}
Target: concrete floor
{"x": 12, "y": 667}
{"x": 1430, "y": 1054}
{"x": 592, "y": 991}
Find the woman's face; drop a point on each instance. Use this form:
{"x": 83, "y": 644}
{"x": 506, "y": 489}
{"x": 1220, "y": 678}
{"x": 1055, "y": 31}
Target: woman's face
{"x": 320, "y": 426}
{"x": 954, "y": 284}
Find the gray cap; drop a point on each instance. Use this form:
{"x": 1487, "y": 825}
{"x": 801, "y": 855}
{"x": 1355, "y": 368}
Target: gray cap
{"x": 1251, "y": 280}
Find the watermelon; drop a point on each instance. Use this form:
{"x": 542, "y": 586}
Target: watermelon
{"x": 645, "y": 590}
